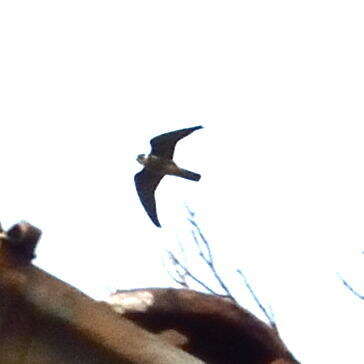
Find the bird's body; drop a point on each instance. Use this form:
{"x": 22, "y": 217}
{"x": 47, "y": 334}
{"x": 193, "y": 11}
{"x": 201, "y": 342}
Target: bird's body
{"x": 158, "y": 164}
{"x": 165, "y": 166}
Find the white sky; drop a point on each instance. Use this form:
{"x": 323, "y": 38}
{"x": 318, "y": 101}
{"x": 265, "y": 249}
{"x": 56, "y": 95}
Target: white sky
{"x": 278, "y": 86}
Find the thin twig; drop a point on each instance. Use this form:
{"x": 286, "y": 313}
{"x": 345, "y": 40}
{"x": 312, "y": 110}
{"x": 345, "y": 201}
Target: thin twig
{"x": 180, "y": 279}
{"x": 351, "y": 289}
{"x": 209, "y": 259}
{"x": 257, "y": 301}
{"x": 188, "y": 273}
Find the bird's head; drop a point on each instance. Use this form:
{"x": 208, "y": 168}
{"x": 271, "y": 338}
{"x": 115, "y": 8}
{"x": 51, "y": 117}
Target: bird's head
{"x": 141, "y": 159}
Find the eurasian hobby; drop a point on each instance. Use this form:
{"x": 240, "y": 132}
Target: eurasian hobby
{"x": 156, "y": 165}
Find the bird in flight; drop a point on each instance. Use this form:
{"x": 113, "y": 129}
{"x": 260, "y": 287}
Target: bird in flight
{"x": 156, "y": 165}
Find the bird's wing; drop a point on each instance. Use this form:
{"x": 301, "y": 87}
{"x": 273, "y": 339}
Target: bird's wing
{"x": 163, "y": 145}
{"x": 146, "y": 182}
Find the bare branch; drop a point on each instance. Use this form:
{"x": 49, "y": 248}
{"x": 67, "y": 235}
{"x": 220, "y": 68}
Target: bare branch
{"x": 208, "y": 259}
{"x": 188, "y": 273}
{"x": 204, "y": 251}
{"x": 269, "y": 317}
{"x": 180, "y": 279}
{"x": 351, "y": 289}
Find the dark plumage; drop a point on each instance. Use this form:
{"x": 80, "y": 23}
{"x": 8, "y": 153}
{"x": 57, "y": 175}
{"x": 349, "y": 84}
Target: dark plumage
{"x": 157, "y": 165}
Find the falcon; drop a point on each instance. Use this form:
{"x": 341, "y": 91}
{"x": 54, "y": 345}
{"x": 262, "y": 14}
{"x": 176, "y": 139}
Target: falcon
{"x": 158, "y": 164}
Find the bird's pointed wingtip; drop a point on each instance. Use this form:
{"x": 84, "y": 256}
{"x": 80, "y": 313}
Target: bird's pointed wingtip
{"x": 155, "y": 220}
{"x": 195, "y": 127}
{"x": 156, "y": 223}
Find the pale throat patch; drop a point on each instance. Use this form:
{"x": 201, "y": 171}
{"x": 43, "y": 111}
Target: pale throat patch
{"x": 142, "y": 159}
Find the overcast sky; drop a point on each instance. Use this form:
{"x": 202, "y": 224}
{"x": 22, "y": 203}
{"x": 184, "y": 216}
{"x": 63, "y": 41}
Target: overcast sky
{"x": 278, "y": 87}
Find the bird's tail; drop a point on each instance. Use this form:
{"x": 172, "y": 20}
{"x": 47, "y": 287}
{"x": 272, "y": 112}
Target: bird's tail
{"x": 184, "y": 173}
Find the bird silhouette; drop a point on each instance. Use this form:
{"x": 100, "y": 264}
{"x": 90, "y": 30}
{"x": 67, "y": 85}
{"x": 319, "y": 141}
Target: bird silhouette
{"x": 158, "y": 164}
